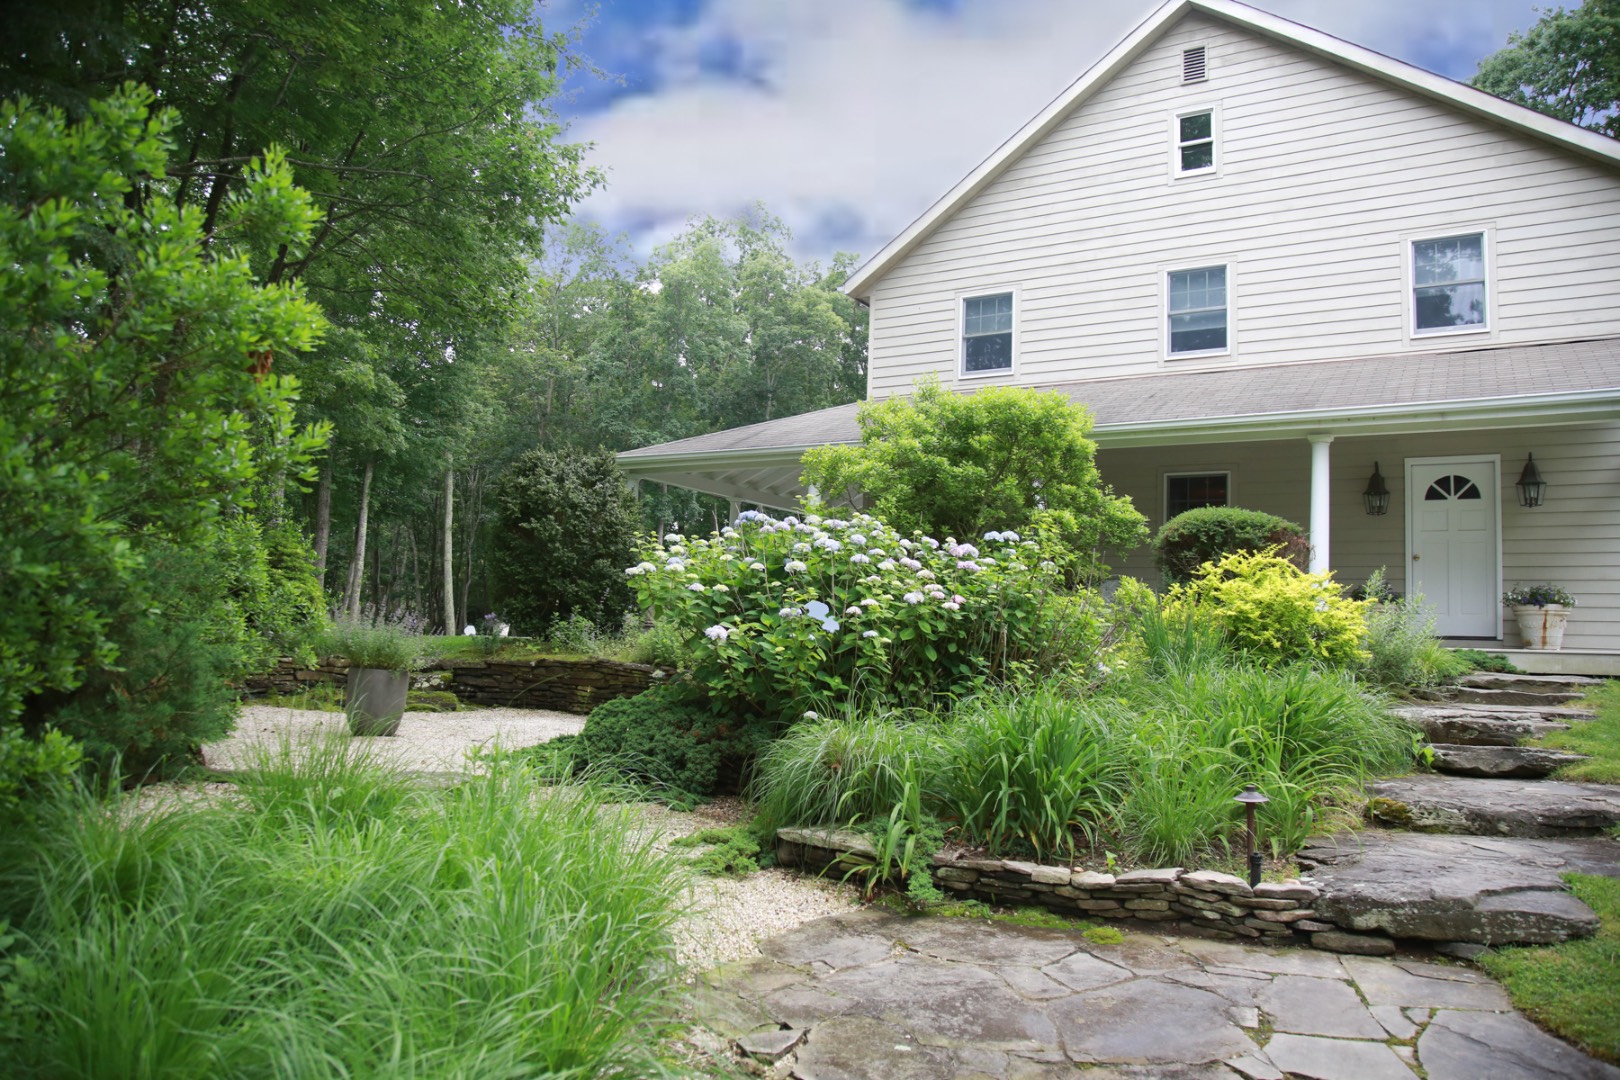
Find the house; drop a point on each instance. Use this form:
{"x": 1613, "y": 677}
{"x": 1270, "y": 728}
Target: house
{"x": 1276, "y": 265}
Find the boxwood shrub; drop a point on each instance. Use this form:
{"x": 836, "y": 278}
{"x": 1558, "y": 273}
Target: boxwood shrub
{"x": 1190, "y": 539}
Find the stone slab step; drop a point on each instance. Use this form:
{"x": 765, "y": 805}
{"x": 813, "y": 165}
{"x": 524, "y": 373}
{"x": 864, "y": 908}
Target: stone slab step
{"x": 1461, "y": 727}
{"x": 1496, "y": 680}
{"x": 1489, "y": 890}
{"x": 1458, "y": 804}
{"x": 1471, "y": 695}
{"x": 1500, "y": 762}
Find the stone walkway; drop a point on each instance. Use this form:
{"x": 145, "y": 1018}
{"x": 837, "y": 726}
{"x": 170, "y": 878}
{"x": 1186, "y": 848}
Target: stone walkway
{"x": 874, "y": 996}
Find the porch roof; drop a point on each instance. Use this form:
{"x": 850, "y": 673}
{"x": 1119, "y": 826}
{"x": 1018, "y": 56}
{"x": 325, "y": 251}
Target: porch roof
{"x": 1559, "y": 383}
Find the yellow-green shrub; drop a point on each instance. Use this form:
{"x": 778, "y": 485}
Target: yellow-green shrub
{"x": 1267, "y": 606}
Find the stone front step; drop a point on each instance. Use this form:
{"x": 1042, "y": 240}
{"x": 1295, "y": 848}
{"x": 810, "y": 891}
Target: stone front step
{"x": 1561, "y": 684}
{"x": 1468, "y": 728}
{"x": 1471, "y": 695}
{"x": 1455, "y": 804}
{"x": 1500, "y": 762}
{"x": 1489, "y": 890}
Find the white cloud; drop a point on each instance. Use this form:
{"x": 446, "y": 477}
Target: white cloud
{"x": 870, "y": 106}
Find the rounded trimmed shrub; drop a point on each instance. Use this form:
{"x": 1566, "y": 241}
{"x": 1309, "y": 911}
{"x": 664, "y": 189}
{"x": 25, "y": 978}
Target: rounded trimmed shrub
{"x": 665, "y": 738}
{"x": 1195, "y": 537}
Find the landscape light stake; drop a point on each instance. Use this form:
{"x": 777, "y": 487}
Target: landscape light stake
{"x": 1251, "y": 798}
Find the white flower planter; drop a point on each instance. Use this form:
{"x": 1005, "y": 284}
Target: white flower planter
{"x": 1541, "y": 627}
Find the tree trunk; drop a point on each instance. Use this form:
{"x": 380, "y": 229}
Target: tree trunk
{"x": 449, "y": 573}
{"x": 323, "y": 519}
{"x": 357, "y": 565}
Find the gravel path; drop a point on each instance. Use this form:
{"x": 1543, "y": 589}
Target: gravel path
{"x": 427, "y": 741}
{"x": 724, "y": 918}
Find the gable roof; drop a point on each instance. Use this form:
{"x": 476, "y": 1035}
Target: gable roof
{"x": 1402, "y": 75}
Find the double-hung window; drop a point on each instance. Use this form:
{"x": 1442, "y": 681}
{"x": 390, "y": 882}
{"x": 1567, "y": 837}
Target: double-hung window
{"x": 1197, "y": 312}
{"x": 1448, "y": 284}
{"x": 987, "y": 333}
{"x": 1192, "y": 491}
{"x": 1195, "y": 142}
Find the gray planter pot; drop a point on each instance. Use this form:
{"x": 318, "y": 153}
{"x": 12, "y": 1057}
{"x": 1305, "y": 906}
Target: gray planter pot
{"x": 375, "y": 700}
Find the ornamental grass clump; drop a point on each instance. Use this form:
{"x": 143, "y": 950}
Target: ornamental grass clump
{"x": 346, "y": 920}
{"x": 784, "y": 613}
{"x": 1147, "y": 765}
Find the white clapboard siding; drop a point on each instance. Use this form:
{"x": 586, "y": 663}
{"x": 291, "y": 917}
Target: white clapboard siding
{"x": 1569, "y": 541}
{"x": 1325, "y": 176}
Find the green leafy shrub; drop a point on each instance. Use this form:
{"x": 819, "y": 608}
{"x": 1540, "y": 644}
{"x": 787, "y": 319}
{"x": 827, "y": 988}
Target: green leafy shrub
{"x": 1402, "y": 650}
{"x": 1273, "y": 610}
{"x": 168, "y": 694}
{"x": 566, "y": 526}
{"x": 28, "y": 768}
{"x": 663, "y": 644}
{"x": 665, "y": 738}
{"x": 130, "y": 416}
{"x": 271, "y": 604}
{"x": 945, "y": 463}
{"x": 782, "y": 614}
{"x": 1195, "y": 537}
{"x": 1478, "y": 660}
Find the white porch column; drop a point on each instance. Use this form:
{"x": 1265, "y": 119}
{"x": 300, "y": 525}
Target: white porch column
{"x": 1321, "y": 519}
{"x": 734, "y": 507}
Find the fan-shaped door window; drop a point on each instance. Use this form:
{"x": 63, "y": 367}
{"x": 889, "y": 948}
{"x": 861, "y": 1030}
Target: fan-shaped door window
{"x": 1451, "y": 487}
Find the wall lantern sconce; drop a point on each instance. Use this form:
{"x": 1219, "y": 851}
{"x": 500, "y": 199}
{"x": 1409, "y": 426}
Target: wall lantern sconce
{"x": 1376, "y": 497}
{"x": 1532, "y": 488}
{"x": 1251, "y": 797}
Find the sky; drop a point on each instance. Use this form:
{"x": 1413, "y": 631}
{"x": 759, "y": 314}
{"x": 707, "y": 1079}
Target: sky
{"x": 848, "y": 118}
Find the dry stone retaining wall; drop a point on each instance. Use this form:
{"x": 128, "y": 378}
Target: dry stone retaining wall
{"x": 1215, "y": 904}
{"x": 575, "y": 686}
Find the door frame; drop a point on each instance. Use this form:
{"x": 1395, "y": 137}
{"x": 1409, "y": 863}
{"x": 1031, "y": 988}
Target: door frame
{"x": 1495, "y": 461}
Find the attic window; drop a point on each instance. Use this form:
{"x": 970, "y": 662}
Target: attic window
{"x": 1192, "y": 65}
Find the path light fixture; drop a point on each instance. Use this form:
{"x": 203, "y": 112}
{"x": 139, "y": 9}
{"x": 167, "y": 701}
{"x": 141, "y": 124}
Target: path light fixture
{"x": 1532, "y": 488}
{"x": 1376, "y": 497}
{"x": 1251, "y": 798}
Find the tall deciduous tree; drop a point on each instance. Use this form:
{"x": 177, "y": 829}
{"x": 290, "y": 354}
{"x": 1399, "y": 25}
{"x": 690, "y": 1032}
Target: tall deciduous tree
{"x": 1567, "y": 65}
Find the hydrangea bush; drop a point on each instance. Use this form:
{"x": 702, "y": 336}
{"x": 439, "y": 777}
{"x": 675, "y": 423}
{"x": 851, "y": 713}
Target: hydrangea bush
{"x": 784, "y": 613}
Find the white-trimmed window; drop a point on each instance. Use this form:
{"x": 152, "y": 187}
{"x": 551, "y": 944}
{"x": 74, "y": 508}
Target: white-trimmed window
{"x": 1449, "y": 293}
{"x": 1196, "y": 312}
{"x": 1192, "y": 491}
{"x": 1195, "y": 137}
{"x": 987, "y": 333}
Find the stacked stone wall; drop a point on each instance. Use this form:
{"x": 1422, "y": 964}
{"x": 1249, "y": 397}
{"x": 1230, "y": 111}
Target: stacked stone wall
{"x": 575, "y": 686}
{"x": 1204, "y": 901}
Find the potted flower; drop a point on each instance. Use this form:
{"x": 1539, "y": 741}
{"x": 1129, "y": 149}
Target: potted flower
{"x": 380, "y": 657}
{"x": 1542, "y": 611}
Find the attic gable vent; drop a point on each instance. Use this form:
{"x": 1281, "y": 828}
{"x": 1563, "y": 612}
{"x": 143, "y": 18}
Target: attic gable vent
{"x": 1192, "y": 65}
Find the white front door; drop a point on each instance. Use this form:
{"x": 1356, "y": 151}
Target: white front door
{"x": 1452, "y": 546}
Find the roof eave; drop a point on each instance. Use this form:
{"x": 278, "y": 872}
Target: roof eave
{"x": 1529, "y": 410}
